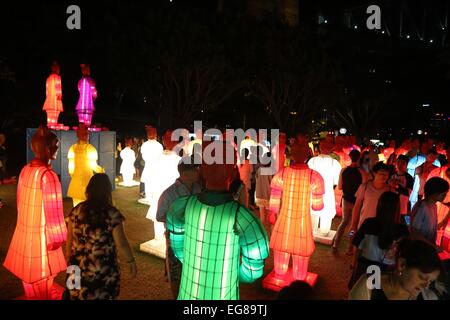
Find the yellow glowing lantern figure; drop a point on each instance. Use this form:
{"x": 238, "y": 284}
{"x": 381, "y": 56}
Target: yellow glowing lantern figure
{"x": 53, "y": 103}
{"x": 151, "y": 150}
{"x": 127, "y": 169}
{"x": 329, "y": 169}
{"x": 82, "y": 158}
{"x": 35, "y": 255}
{"x": 444, "y": 173}
{"x": 294, "y": 192}
{"x": 166, "y": 172}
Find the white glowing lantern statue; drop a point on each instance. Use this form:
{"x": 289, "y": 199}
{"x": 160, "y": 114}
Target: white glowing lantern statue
{"x": 166, "y": 168}
{"x": 151, "y": 150}
{"x": 127, "y": 169}
{"x": 329, "y": 169}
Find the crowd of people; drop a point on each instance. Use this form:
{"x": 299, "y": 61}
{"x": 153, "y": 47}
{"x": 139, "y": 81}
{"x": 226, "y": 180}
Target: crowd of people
{"x": 393, "y": 202}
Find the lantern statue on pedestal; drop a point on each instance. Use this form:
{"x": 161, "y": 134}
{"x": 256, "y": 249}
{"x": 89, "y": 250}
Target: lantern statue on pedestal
{"x": 127, "y": 168}
{"x": 219, "y": 242}
{"x": 53, "y": 102}
{"x": 295, "y": 190}
{"x": 88, "y": 93}
{"x": 151, "y": 150}
{"x": 329, "y": 169}
{"x": 166, "y": 169}
{"x": 35, "y": 255}
{"x": 82, "y": 158}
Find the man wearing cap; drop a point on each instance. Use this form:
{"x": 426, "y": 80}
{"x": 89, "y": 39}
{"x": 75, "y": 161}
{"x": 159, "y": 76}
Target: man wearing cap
{"x": 185, "y": 185}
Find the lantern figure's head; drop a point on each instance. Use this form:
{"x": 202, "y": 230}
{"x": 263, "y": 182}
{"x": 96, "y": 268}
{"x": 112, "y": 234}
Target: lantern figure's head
{"x": 151, "y": 132}
{"x": 167, "y": 141}
{"x": 85, "y": 69}
{"x": 44, "y": 144}
{"x": 55, "y": 67}
{"x": 282, "y": 138}
{"x": 217, "y": 174}
{"x": 128, "y": 142}
{"x": 300, "y": 152}
{"x": 326, "y": 146}
{"x": 82, "y": 133}
{"x": 340, "y": 143}
{"x": 415, "y": 144}
{"x": 2, "y": 139}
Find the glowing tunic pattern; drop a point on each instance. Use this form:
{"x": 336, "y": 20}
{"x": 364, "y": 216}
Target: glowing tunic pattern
{"x": 82, "y": 165}
{"x": 40, "y": 223}
{"x": 85, "y": 106}
{"x": 209, "y": 233}
{"x": 294, "y": 191}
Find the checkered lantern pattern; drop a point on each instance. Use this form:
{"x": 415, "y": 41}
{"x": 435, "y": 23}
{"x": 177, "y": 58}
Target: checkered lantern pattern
{"x": 218, "y": 246}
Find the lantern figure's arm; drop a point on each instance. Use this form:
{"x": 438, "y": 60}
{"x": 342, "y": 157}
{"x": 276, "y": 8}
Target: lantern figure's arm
{"x": 93, "y": 156}
{"x": 71, "y": 158}
{"x": 276, "y": 187}
{"x": 93, "y": 89}
{"x": 254, "y": 245}
{"x": 58, "y": 88}
{"x": 55, "y": 226}
{"x": 317, "y": 191}
{"x": 175, "y": 226}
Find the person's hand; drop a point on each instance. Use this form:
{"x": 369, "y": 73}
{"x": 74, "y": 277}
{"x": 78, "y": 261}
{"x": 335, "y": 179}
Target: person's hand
{"x": 272, "y": 217}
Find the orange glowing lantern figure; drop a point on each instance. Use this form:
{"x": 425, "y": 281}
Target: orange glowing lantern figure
{"x": 53, "y": 103}
{"x": 88, "y": 93}
{"x": 151, "y": 150}
{"x": 166, "y": 173}
{"x": 443, "y": 235}
{"x": 389, "y": 150}
{"x": 82, "y": 158}
{"x": 295, "y": 190}
{"x": 35, "y": 255}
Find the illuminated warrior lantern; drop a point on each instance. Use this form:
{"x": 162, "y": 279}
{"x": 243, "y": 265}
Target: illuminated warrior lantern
{"x": 151, "y": 150}
{"x": 88, "y": 93}
{"x": 35, "y": 255}
{"x": 127, "y": 169}
{"x": 166, "y": 173}
{"x": 219, "y": 242}
{"x": 295, "y": 190}
{"x": 329, "y": 169}
{"x": 53, "y": 103}
{"x": 82, "y": 158}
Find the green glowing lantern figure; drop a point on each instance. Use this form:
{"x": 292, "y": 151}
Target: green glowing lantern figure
{"x": 219, "y": 242}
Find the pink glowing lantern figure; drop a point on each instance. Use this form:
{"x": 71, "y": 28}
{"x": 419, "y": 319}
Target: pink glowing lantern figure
{"x": 329, "y": 169}
{"x": 151, "y": 150}
{"x": 166, "y": 169}
{"x": 53, "y": 103}
{"x": 35, "y": 255}
{"x": 443, "y": 235}
{"x": 88, "y": 93}
{"x": 279, "y": 152}
{"x": 295, "y": 190}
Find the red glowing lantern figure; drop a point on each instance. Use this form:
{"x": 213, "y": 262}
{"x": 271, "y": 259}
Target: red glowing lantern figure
{"x": 88, "y": 93}
{"x": 294, "y": 192}
{"x": 35, "y": 255}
